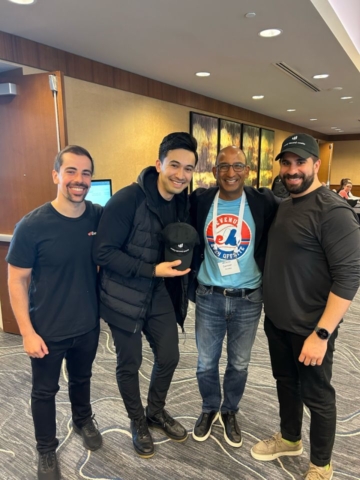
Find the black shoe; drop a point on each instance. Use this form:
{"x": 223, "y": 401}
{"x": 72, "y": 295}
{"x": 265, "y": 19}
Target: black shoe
{"x": 171, "y": 427}
{"x": 141, "y": 436}
{"x": 48, "y": 468}
{"x": 203, "y": 425}
{"x": 232, "y": 432}
{"x": 92, "y": 439}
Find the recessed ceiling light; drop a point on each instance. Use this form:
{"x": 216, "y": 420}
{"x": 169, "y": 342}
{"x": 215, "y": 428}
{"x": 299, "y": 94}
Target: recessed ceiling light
{"x": 321, "y": 75}
{"x": 291, "y": 110}
{"x": 337, "y": 88}
{"x": 270, "y": 32}
{"x": 257, "y": 97}
{"x": 23, "y": 2}
{"x": 334, "y": 128}
{"x": 250, "y": 15}
{"x": 202, "y": 74}
{"x": 346, "y": 98}
{"x": 313, "y": 119}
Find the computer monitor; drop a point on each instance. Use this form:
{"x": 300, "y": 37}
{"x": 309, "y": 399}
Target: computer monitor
{"x": 100, "y": 191}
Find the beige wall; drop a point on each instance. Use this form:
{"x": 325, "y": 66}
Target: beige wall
{"x": 120, "y": 129}
{"x": 346, "y": 162}
{"x": 123, "y": 130}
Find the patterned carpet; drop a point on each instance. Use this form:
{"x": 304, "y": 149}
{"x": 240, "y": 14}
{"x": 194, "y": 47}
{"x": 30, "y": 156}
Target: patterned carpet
{"x": 213, "y": 459}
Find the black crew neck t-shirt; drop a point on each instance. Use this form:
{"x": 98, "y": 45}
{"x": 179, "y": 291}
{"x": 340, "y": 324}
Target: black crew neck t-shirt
{"x": 62, "y": 292}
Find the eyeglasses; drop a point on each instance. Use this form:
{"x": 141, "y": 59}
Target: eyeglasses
{"x": 225, "y": 167}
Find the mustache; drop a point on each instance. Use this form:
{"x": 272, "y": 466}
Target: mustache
{"x": 77, "y": 184}
{"x": 293, "y": 177}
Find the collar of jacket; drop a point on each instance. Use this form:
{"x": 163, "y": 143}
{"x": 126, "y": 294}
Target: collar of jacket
{"x": 147, "y": 180}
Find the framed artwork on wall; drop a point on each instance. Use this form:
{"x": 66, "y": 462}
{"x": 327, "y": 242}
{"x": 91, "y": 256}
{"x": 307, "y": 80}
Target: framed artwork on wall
{"x": 230, "y": 133}
{"x": 205, "y": 129}
{"x": 250, "y": 145}
{"x": 266, "y": 157}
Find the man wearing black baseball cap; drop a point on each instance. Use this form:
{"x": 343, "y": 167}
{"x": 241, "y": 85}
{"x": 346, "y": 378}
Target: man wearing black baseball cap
{"x": 232, "y": 221}
{"x": 311, "y": 275}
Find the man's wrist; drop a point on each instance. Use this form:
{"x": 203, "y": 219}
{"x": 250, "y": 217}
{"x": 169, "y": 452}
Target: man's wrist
{"x": 322, "y": 333}
{"x": 154, "y": 271}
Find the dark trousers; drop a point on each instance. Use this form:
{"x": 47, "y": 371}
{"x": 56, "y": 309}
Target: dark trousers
{"x": 79, "y": 353}
{"x": 160, "y": 329}
{"x": 297, "y": 384}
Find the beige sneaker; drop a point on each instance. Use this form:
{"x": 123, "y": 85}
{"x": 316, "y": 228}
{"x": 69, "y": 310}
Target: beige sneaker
{"x": 275, "y": 447}
{"x": 319, "y": 473}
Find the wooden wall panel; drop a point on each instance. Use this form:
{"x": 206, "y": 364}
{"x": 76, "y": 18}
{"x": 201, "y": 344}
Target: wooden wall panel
{"x": 28, "y": 148}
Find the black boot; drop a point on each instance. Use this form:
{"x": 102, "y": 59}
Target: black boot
{"x": 171, "y": 427}
{"x": 48, "y": 468}
{"x": 92, "y": 439}
{"x": 142, "y": 441}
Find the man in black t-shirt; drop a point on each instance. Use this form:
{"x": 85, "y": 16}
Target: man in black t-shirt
{"x": 311, "y": 275}
{"x": 139, "y": 292}
{"x": 52, "y": 286}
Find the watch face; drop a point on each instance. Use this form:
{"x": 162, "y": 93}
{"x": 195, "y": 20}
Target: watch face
{"x": 322, "y": 333}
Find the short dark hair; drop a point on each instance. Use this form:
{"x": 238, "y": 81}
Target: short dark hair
{"x": 72, "y": 149}
{"x": 176, "y": 140}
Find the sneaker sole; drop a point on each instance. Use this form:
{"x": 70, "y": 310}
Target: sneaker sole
{"x": 266, "y": 457}
{"x": 174, "y": 439}
{"x": 207, "y": 435}
{"x": 78, "y": 432}
{"x": 227, "y": 439}
{"x": 143, "y": 455}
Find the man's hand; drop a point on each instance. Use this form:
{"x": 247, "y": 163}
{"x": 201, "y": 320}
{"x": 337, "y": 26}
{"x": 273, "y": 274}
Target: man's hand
{"x": 167, "y": 269}
{"x": 35, "y": 346}
{"x": 313, "y": 351}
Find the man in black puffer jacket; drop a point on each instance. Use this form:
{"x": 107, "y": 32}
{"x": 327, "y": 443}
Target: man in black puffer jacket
{"x": 134, "y": 295}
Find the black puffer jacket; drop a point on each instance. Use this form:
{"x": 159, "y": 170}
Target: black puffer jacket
{"x": 127, "y": 247}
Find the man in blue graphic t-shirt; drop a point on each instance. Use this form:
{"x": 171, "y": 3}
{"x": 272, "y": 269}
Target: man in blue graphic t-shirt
{"x": 232, "y": 222}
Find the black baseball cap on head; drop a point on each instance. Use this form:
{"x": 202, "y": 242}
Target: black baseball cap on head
{"x": 301, "y": 144}
{"x": 179, "y": 239}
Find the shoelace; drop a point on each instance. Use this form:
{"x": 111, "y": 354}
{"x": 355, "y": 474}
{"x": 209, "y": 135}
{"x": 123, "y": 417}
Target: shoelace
{"x": 272, "y": 439}
{"x": 314, "y": 473}
{"x": 48, "y": 460}
{"x": 91, "y": 427}
{"x": 142, "y": 427}
{"x": 168, "y": 418}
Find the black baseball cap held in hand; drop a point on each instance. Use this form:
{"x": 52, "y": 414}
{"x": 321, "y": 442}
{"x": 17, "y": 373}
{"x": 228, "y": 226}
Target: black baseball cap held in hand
{"x": 179, "y": 239}
{"x": 301, "y": 144}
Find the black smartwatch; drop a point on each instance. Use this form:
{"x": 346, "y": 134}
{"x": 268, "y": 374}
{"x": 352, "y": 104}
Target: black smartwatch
{"x": 322, "y": 333}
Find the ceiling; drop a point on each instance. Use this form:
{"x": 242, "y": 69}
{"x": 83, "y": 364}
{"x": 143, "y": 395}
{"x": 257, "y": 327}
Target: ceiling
{"x": 170, "y": 40}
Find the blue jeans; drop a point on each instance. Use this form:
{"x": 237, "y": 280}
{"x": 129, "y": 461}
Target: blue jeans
{"x": 237, "y": 317}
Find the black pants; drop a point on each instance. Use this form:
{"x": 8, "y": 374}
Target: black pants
{"x": 160, "y": 329}
{"x": 298, "y": 384}
{"x": 79, "y": 353}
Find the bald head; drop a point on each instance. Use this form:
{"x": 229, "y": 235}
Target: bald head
{"x": 231, "y": 152}
{"x": 230, "y": 172}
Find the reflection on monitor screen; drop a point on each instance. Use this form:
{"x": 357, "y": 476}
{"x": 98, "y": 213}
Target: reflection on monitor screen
{"x": 100, "y": 191}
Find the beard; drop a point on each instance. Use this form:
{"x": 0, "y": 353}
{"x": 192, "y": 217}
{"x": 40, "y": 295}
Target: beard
{"x": 74, "y": 199}
{"x": 307, "y": 181}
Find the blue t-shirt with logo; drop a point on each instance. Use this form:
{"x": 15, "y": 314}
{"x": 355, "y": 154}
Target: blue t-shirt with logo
{"x": 226, "y": 228}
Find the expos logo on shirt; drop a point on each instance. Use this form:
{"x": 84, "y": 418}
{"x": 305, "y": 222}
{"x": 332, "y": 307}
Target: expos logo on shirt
{"x": 226, "y": 237}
